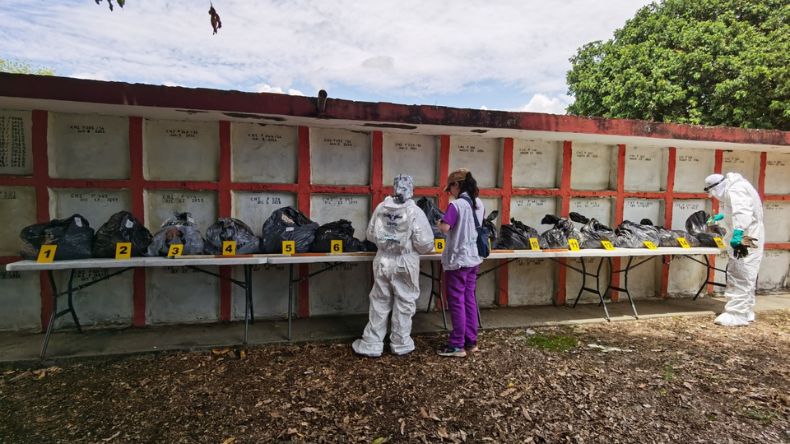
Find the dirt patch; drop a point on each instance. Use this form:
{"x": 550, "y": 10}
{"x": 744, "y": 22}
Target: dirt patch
{"x": 663, "y": 380}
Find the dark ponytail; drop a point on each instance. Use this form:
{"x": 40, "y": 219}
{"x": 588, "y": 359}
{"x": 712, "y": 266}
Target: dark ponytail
{"x": 469, "y": 186}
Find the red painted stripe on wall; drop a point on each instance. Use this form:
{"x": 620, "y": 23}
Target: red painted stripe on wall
{"x": 669, "y": 197}
{"x": 565, "y": 205}
{"x": 225, "y": 203}
{"x": 40, "y": 178}
{"x": 303, "y": 199}
{"x": 504, "y": 215}
{"x": 137, "y": 185}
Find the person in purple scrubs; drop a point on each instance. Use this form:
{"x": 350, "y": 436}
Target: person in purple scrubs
{"x": 461, "y": 262}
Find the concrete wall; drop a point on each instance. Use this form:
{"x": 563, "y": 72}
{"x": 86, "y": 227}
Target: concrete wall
{"x": 182, "y": 171}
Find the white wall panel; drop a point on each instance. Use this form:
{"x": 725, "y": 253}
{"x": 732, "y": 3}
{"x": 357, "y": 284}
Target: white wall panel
{"x": 339, "y": 157}
{"x": 94, "y": 205}
{"x": 88, "y": 146}
{"x": 179, "y": 294}
{"x": 178, "y": 150}
{"x": 777, "y": 173}
{"x": 745, "y": 162}
{"x": 16, "y": 153}
{"x": 591, "y": 167}
{"x": 691, "y": 169}
{"x": 269, "y": 292}
{"x": 777, "y": 221}
{"x": 645, "y": 168}
{"x": 530, "y": 210}
{"x": 325, "y": 208}
{"x": 774, "y": 270}
{"x": 18, "y": 207}
{"x": 21, "y": 301}
{"x": 478, "y": 155}
{"x": 264, "y": 153}
{"x": 161, "y": 205}
{"x": 600, "y": 209}
{"x": 536, "y": 163}
{"x": 413, "y": 155}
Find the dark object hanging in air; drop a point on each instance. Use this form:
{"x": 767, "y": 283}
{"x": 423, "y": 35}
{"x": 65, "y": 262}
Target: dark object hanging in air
{"x": 73, "y": 237}
{"x": 216, "y": 23}
{"x": 109, "y": 3}
{"x": 230, "y": 229}
{"x": 121, "y": 227}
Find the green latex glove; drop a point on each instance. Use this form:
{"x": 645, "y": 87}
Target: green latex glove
{"x": 737, "y": 237}
{"x": 716, "y": 218}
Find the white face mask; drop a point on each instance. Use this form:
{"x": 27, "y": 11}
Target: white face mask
{"x": 719, "y": 190}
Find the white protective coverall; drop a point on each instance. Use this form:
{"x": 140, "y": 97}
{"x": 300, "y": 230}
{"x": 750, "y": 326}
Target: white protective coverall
{"x": 743, "y": 210}
{"x": 401, "y": 231}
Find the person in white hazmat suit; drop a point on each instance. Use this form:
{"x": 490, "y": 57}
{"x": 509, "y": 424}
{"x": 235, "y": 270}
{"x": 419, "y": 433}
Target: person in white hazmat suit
{"x": 742, "y": 211}
{"x": 401, "y": 231}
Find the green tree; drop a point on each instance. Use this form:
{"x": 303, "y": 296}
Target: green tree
{"x": 23, "y": 68}
{"x": 711, "y": 62}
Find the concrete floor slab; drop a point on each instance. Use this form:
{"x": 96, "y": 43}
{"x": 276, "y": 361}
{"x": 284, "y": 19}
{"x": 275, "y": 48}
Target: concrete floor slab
{"x": 24, "y": 348}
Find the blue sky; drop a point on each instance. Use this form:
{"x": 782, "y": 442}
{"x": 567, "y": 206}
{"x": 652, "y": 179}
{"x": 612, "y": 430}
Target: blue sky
{"x": 500, "y": 55}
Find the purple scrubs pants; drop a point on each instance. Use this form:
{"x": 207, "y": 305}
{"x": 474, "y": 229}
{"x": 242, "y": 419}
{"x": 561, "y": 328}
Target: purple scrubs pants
{"x": 460, "y": 292}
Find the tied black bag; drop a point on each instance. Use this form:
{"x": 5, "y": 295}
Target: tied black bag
{"x": 483, "y": 249}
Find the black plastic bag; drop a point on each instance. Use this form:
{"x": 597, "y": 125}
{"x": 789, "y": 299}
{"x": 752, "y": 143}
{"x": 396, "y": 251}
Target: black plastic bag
{"x": 669, "y": 238}
{"x": 73, "y": 236}
{"x": 285, "y": 224}
{"x": 230, "y": 229}
{"x": 634, "y": 235}
{"x": 341, "y": 230}
{"x": 179, "y": 229}
{"x": 557, "y": 237}
{"x": 594, "y": 232}
{"x": 697, "y": 226}
{"x": 433, "y": 213}
{"x": 515, "y": 236}
{"x": 121, "y": 227}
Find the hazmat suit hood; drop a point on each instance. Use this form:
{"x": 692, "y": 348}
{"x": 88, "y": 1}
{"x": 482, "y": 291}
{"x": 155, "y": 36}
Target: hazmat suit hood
{"x": 716, "y": 185}
{"x": 403, "y": 188}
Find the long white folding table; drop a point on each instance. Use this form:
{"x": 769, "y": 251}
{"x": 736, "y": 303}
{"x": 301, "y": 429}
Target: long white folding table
{"x": 504, "y": 256}
{"x": 123, "y": 265}
{"x": 631, "y": 253}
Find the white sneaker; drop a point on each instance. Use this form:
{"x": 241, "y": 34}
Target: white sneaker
{"x": 750, "y": 316}
{"x": 731, "y": 320}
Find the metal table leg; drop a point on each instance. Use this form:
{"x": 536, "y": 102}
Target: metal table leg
{"x": 247, "y": 299}
{"x": 290, "y": 297}
{"x": 624, "y": 288}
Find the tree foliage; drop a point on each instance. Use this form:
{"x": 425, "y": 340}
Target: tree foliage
{"x": 23, "y": 68}
{"x": 711, "y": 62}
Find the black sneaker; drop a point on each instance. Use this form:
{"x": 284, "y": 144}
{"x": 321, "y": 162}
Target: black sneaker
{"x": 452, "y": 352}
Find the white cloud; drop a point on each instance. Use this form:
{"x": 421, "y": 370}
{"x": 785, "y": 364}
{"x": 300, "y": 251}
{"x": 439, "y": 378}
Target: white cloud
{"x": 266, "y": 88}
{"x": 386, "y": 48}
{"x": 541, "y": 103}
